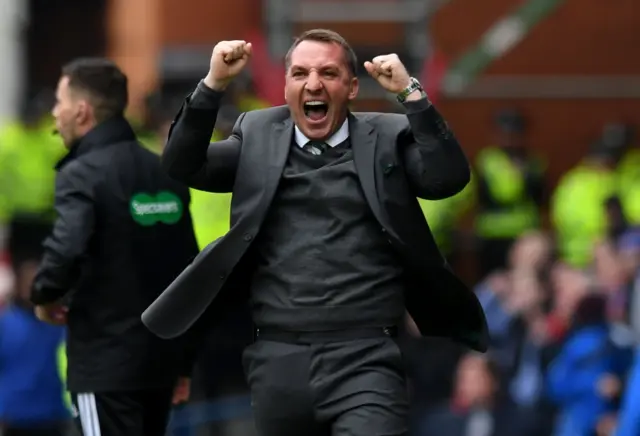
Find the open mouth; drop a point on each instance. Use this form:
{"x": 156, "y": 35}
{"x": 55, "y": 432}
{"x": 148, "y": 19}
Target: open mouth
{"x": 315, "y": 110}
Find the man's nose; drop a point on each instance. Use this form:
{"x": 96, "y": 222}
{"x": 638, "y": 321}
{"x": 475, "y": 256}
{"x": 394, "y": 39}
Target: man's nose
{"x": 314, "y": 84}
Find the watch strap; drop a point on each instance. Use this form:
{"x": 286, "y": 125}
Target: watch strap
{"x": 414, "y": 85}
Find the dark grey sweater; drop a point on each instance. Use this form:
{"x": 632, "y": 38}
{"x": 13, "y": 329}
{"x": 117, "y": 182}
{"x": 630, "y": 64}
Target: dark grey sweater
{"x": 323, "y": 260}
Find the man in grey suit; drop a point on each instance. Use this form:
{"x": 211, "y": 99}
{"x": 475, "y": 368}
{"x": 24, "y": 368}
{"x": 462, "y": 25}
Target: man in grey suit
{"x": 327, "y": 243}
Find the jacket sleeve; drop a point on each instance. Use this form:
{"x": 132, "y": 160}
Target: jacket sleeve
{"x": 189, "y": 157}
{"x": 566, "y": 380}
{"x": 72, "y": 230}
{"x": 435, "y": 164}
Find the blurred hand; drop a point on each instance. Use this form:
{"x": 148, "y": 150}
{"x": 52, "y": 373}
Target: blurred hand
{"x": 182, "y": 391}
{"x": 227, "y": 61}
{"x": 530, "y": 251}
{"x": 609, "y": 386}
{"x": 53, "y": 313}
{"x": 606, "y": 425}
{"x": 499, "y": 283}
{"x": 390, "y": 72}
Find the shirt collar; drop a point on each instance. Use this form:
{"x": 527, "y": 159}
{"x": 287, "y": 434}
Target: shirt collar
{"x": 339, "y": 137}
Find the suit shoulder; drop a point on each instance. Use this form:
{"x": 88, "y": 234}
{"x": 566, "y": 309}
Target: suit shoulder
{"x": 384, "y": 120}
{"x": 276, "y": 113}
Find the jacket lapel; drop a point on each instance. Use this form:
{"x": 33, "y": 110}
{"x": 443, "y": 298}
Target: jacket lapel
{"x": 364, "y": 142}
{"x": 276, "y": 157}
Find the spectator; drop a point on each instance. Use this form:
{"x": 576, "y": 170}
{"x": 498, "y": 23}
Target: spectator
{"x": 584, "y": 380}
{"x": 628, "y": 422}
{"x": 516, "y": 302}
{"x": 476, "y": 408}
{"x": 31, "y": 394}
{"x": 627, "y": 301}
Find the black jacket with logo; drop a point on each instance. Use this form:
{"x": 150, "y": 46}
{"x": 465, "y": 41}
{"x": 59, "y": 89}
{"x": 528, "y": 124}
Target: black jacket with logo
{"x": 123, "y": 232}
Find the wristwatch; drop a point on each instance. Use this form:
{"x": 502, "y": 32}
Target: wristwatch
{"x": 414, "y": 85}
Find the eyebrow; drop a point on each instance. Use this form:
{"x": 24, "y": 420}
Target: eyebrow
{"x": 325, "y": 67}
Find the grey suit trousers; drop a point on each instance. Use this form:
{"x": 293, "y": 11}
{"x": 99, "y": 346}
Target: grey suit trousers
{"x": 351, "y": 388}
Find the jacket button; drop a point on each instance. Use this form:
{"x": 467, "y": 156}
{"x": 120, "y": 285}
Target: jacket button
{"x": 248, "y": 237}
{"x": 222, "y": 276}
{"x": 383, "y": 230}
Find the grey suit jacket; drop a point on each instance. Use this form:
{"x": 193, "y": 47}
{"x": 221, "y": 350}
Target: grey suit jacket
{"x": 397, "y": 157}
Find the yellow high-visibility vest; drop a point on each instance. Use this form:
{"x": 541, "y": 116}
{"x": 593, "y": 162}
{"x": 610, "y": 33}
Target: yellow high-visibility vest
{"x": 515, "y": 213}
{"x": 578, "y": 212}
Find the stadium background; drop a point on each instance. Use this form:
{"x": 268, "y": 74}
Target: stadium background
{"x": 569, "y": 67}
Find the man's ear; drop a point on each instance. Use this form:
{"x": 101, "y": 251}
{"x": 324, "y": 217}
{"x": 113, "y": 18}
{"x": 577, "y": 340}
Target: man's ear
{"x": 84, "y": 113}
{"x": 353, "y": 88}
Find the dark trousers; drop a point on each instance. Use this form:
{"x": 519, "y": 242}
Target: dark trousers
{"x": 125, "y": 413}
{"x": 350, "y": 388}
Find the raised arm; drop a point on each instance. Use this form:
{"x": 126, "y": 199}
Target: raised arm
{"x": 436, "y": 166}
{"x": 188, "y": 155}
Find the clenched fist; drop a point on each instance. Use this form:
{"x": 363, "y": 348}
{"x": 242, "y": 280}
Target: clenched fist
{"x": 227, "y": 61}
{"x": 389, "y": 71}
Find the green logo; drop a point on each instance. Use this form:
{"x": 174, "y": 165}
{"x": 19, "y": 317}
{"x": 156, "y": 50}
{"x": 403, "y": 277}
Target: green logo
{"x": 148, "y": 210}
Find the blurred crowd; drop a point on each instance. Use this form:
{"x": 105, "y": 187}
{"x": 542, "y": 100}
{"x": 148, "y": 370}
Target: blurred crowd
{"x": 562, "y": 300}
{"x": 558, "y": 275}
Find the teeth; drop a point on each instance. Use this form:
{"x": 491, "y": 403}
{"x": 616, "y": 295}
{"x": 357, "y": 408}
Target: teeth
{"x": 315, "y": 103}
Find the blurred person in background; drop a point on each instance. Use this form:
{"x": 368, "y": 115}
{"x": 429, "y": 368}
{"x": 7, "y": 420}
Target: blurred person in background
{"x": 31, "y": 392}
{"x": 28, "y": 153}
{"x": 476, "y": 408}
{"x": 516, "y": 302}
{"x": 569, "y": 285}
{"x": 123, "y": 232}
{"x": 585, "y": 206}
{"x": 628, "y": 171}
{"x": 585, "y": 379}
{"x": 627, "y": 421}
{"x": 506, "y": 295}
{"x": 616, "y": 218}
{"x": 510, "y": 191}
{"x": 612, "y": 278}
{"x": 628, "y": 248}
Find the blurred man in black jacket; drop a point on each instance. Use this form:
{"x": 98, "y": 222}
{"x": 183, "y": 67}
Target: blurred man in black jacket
{"x": 122, "y": 234}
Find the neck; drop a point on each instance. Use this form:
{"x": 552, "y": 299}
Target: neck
{"x": 82, "y": 131}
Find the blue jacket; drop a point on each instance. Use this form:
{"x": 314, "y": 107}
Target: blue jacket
{"x": 629, "y": 416}
{"x": 573, "y": 376}
{"x": 30, "y": 389}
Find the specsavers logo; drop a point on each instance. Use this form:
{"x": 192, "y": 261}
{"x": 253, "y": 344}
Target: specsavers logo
{"x": 147, "y": 210}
